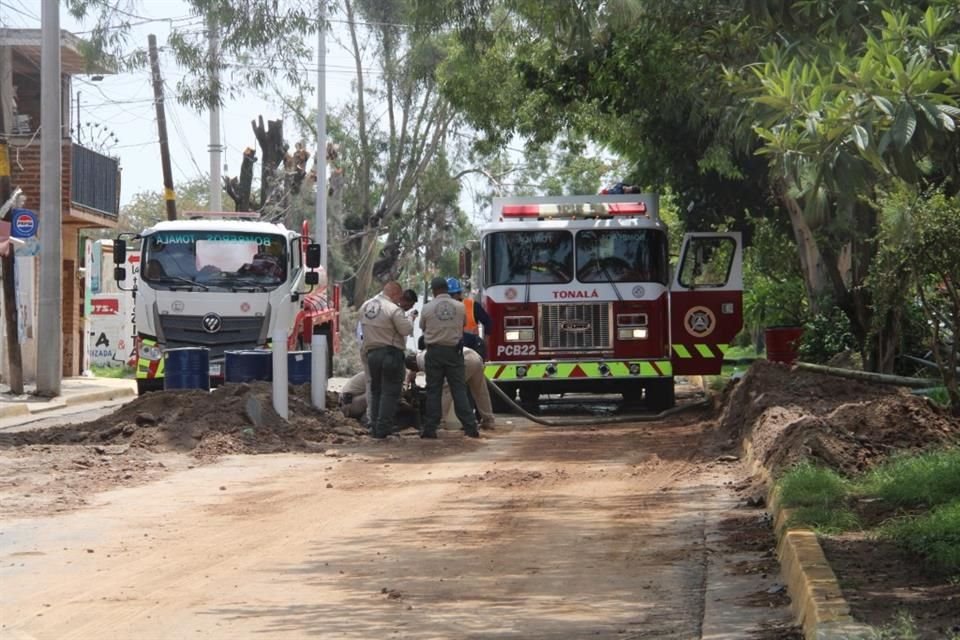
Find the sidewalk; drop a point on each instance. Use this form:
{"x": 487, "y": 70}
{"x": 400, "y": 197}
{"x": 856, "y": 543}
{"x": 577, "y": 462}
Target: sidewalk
{"x": 73, "y": 391}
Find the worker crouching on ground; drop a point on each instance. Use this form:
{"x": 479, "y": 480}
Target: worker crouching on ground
{"x": 353, "y": 397}
{"x": 442, "y": 322}
{"x": 476, "y": 385}
{"x": 385, "y": 330}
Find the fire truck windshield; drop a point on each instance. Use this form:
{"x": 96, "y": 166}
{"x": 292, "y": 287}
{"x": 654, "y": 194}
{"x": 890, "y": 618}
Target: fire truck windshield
{"x": 622, "y": 255}
{"x": 529, "y": 257}
{"x": 208, "y": 260}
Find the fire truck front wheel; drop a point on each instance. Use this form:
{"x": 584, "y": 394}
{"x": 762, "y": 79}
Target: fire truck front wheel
{"x": 499, "y": 405}
{"x": 660, "y": 394}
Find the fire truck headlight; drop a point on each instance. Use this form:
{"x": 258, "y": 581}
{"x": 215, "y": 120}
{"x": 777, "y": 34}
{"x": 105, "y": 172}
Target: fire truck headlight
{"x": 150, "y": 352}
{"x": 521, "y": 372}
{"x": 632, "y": 333}
{"x": 634, "y": 368}
{"x": 518, "y": 335}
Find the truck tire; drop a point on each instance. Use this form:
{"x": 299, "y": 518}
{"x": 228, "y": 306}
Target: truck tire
{"x": 660, "y": 394}
{"x": 146, "y": 386}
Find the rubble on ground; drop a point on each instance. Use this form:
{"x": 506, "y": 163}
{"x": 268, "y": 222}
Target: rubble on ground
{"x": 785, "y": 415}
{"x": 234, "y": 418}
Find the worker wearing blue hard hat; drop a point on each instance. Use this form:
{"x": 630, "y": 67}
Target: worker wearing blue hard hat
{"x": 476, "y": 316}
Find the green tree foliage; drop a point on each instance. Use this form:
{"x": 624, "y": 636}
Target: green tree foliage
{"x": 148, "y": 207}
{"x": 839, "y": 97}
{"x": 773, "y": 285}
{"x": 259, "y": 40}
{"x": 840, "y": 115}
{"x": 919, "y": 257}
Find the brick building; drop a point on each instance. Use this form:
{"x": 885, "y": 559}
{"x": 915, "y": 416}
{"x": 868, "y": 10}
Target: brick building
{"x": 91, "y": 180}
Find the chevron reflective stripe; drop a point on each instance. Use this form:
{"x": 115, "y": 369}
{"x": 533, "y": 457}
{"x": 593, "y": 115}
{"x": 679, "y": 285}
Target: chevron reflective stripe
{"x": 700, "y": 350}
{"x": 149, "y": 369}
{"x": 573, "y": 370}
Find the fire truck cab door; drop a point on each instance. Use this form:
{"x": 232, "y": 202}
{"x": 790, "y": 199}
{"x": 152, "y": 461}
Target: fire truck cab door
{"x": 706, "y": 301}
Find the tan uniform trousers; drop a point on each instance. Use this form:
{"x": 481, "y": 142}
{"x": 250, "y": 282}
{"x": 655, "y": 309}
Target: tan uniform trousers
{"x": 477, "y": 384}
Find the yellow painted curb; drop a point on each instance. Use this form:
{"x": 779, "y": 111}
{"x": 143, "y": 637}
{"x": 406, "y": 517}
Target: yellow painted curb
{"x": 816, "y": 598}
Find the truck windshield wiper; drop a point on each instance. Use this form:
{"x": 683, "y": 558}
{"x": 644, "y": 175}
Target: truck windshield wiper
{"x": 246, "y": 283}
{"x": 168, "y": 278}
{"x": 606, "y": 274}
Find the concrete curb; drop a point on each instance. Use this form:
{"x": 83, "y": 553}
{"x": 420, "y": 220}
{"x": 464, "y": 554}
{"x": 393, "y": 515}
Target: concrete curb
{"x": 14, "y": 410}
{"x": 816, "y": 598}
{"x": 28, "y": 408}
{"x": 104, "y": 395}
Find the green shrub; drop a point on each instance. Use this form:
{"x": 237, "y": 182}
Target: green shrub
{"x": 825, "y": 335}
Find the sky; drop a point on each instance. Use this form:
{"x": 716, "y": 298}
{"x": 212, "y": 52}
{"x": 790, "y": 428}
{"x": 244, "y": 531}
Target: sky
{"x": 118, "y": 112}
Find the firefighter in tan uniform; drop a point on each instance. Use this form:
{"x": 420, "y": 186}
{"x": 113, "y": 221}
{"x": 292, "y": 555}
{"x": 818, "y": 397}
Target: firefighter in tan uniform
{"x": 442, "y": 322}
{"x": 385, "y": 330}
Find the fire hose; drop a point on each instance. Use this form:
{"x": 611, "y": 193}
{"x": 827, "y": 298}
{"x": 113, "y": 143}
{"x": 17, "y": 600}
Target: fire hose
{"x": 568, "y": 422}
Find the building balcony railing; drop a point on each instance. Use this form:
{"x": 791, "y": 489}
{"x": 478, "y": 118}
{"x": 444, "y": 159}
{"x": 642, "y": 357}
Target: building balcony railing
{"x": 95, "y": 181}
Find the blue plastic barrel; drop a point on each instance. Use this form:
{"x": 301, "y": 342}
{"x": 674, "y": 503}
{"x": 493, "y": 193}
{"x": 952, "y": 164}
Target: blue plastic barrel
{"x": 186, "y": 368}
{"x": 298, "y": 367}
{"x": 247, "y": 366}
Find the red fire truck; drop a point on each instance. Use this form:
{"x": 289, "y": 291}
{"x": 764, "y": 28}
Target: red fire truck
{"x": 584, "y": 299}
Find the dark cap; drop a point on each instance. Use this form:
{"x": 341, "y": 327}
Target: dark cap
{"x": 438, "y": 284}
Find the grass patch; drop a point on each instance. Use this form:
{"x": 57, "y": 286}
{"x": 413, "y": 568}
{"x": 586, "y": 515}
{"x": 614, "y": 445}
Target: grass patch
{"x": 929, "y": 479}
{"x": 928, "y": 484}
{"x": 807, "y": 485}
{"x": 112, "y": 372}
{"x": 825, "y": 520}
{"x": 935, "y": 536}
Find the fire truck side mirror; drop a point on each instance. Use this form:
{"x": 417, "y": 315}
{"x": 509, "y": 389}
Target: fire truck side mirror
{"x": 119, "y": 251}
{"x": 313, "y": 256}
{"x": 466, "y": 262}
{"x": 312, "y": 278}
{"x": 119, "y": 274}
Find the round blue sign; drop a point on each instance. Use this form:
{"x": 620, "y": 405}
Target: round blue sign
{"x": 24, "y": 223}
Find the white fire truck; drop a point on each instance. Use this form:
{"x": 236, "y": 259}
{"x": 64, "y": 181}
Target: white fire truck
{"x": 583, "y": 298}
{"x": 224, "y": 284}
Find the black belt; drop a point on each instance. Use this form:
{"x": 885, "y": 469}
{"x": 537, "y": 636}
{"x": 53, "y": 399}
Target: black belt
{"x": 443, "y": 346}
{"x": 386, "y": 346}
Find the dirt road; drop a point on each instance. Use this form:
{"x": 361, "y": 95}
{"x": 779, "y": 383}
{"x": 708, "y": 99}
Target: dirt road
{"x": 618, "y": 531}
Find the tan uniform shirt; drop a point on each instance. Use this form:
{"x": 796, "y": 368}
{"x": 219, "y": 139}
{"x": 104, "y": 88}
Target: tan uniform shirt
{"x": 442, "y": 321}
{"x": 384, "y": 324}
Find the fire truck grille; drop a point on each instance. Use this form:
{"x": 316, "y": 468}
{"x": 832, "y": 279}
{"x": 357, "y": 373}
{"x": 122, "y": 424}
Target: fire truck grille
{"x": 236, "y": 332}
{"x": 575, "y": 327}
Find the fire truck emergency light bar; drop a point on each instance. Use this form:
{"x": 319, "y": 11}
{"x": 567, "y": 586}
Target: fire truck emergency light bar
{"x": 575, "y": 210}
{"x": 198, "y": 215}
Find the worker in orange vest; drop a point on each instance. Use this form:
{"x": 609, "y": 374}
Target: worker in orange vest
{"x": 476, "y": 316}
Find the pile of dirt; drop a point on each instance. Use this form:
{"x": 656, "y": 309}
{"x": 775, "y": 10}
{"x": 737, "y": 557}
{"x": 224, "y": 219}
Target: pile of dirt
{"x": 784, "y": 415}
{"x": 234, "y": 418}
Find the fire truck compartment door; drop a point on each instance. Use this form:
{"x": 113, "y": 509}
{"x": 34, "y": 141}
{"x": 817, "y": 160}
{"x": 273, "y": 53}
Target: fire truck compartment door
{"x": 706, "y": 301}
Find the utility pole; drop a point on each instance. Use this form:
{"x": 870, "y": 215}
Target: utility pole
{"x": 7, "y": 262}
{"x": 216, "y": 163}
{"x": 321, "y": 209}
{"x": 318, "y": 343}
{"x": 50, "y": 311}
{"x": 168, "y": 193}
